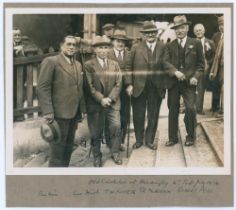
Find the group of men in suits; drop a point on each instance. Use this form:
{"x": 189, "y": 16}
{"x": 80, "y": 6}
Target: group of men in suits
{"x": 114, "y": 78}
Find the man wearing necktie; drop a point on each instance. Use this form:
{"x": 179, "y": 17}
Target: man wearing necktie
{"x": 208, "y": 47}
{"x": 146, "y": 83}
{"x": 121, "y": 55}
{"x": 187, "y": 59}
{"x": 217, "y": 70}
{"x": 60, "y": 95}
{"x": 103, "y": 86}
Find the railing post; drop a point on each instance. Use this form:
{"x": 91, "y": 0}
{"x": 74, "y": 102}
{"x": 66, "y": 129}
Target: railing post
{"x": 20, "y": 89}
{"x": 29, "y": 86}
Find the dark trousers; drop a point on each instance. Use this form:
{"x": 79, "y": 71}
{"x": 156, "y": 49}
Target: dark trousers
{"x": 189, "y": 95}
{"x": 96, "y": 124}
{"x": 215, "y": 87}
{"x": 124, "y": 113}
{"x": 149, "y": 100}
{"x": 60, "y": 153}
{"x": 201, "y": 87}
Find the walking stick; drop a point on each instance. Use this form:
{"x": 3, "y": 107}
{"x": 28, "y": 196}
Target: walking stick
{"x": 128, "y": 133}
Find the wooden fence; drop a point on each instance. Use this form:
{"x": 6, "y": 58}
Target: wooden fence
{"x": 25, "y": 77}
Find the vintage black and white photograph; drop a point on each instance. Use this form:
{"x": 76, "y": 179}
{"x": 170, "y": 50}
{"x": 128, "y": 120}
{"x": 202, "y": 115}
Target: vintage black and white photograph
{"x": 111, "y": 105}
{"x": 119, "y": 90}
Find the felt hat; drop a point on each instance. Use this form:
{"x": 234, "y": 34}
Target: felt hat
{"x": 149, "y": 26}
{"x": 101, "y": 40}
{"x": 180, "y": 20}
{"x": 119, "y": 34}
{"x": 51, "y": 132}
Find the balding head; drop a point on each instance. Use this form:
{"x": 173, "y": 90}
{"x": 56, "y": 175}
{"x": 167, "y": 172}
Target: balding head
{"x": 199, "y": 30}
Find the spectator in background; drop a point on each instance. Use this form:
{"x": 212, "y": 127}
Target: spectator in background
{"x": 217, "y": 70}
{"x": 119, "y": 54}
{"x": 108, "y": 30}
{"x": 208, "y": 48}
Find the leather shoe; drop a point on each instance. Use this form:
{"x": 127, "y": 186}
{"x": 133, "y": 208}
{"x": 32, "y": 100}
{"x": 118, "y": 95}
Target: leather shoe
{"x": 116, "y": 159}
{"x": 189, "y": 143}
{"x": 170, "y": 143}
{"x": 151, "y": 146}
{"x": 122, "y": 148}
{"x": 137, "y": 145}
{"x": 97, "y": 162}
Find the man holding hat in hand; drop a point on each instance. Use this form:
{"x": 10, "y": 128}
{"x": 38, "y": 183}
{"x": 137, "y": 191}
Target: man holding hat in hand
{"x": 146, "y": 84}
{"x": 60, "y": 97}
{"x": 103, "y": 81}
{"x": 187, "y": 59}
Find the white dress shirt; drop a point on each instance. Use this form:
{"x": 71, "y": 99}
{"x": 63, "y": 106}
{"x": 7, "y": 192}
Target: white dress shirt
{"x": 151, "y": 45}
{"x": 102, "y": 62}
{"x": 117, "y": 52}
{"x": 183, "y": 41}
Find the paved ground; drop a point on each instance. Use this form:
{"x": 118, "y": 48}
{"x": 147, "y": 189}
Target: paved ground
{"x": 31, "y": 151}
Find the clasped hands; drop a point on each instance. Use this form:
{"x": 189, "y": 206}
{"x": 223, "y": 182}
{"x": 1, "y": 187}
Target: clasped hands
{"x": 181, "y": 77}
{"x": 106, "y": 102}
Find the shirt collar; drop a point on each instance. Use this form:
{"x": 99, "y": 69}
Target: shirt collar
{"x": 68, "y": 59}
{"x": 101, "y": 61}
{"x": 184, "y": 41}
{"x": 117, "y": 52}
{"x": 153, "y": 44}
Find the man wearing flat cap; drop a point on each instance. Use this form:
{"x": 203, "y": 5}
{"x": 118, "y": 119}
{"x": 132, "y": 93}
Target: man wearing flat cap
{"x": 60, "y": 95}
{"x": 146, "y": 83}
{"x": 187, "y": 59}
{"x": 119, "y": 54}
{"x": 104, "y": 82}
{"x": 217, "y": 70}
{"x": 108, "y": 30}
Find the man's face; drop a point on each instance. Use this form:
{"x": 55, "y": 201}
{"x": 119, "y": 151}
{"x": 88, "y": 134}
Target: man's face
{"x": 17, "y": 36}
{"x": 199, "y": 31}
{"x": 118, "y": 44}
{"x": 150, "y": 36}
{"x": 109, "y": 32}
{"x": 221, "y": 28}
{"x": 181, "y": 31}
{"x": 69, "y": 47}
{"x": 102, "y": 51}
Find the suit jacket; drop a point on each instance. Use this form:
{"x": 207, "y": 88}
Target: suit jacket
{"x": 60, "y": 90}
{"x": 194, "y": 59}
{"x": 138, "y": 68}
{"x": 209, "y": 48}
{"x": 122, "y": 65}
{"x": 102, "y": 83}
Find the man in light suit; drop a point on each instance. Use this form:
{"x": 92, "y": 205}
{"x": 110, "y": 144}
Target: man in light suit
{"x": 208, "y": 47}
{"x": 60, "y": 97}
{"x": 187, "y": 59}
{"x": 103, "y": 86}
{"x": 146, "y": 83}
{"x": 119, "y": 54}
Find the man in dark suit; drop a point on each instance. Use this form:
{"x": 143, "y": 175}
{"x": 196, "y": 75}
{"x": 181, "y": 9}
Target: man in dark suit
{"x": 146, "y": 85}
{"x": 186, "y": 56}
{"x": 217, "y": 70}
{"x": 60, "y": 96}
{"x": 208, "y": 47}
{"x": 119, "y": 54}
{"x": 104, "y": 82}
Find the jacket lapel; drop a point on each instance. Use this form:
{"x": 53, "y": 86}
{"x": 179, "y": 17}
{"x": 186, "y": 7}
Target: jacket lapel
{"x": 99, "y": 71}
{"x": 78, "y": 73}
{"x": 187, "y": 46}
{"x": 65, "y": 66}
{"x": 144, "y": 50}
